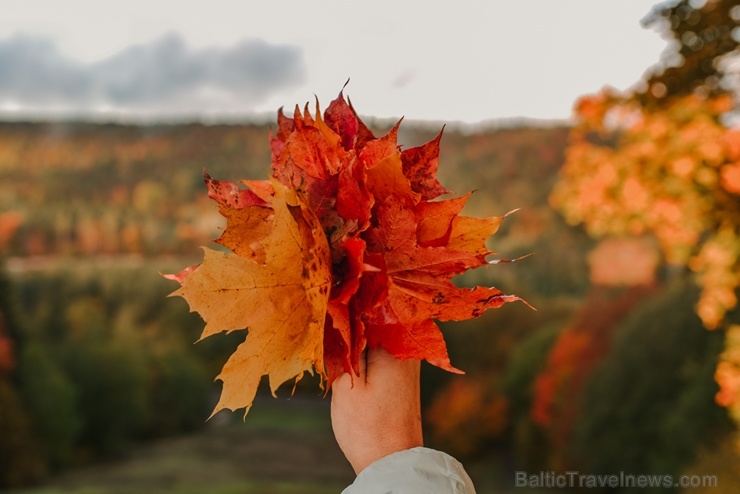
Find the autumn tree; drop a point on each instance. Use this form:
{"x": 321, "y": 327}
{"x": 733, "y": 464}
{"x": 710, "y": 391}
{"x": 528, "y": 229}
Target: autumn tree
{"x": 664, "y": 159}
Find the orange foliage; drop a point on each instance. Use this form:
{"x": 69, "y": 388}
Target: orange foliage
{"x": 463, "y": 414}
{"x": 727, "y": 374}
{"x": 673, "y": 173}
{"x": 7, "y": 362}
{"x": 560, "y": 371}
{"x": 730, "y": 177}
{"x": 9, "y": 223}
{"x": 58, "y": 151}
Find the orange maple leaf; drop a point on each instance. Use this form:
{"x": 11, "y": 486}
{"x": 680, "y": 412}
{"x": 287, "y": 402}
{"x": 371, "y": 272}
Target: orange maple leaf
{"x": 346, "y": 246}
{"x": 281, "y": 300}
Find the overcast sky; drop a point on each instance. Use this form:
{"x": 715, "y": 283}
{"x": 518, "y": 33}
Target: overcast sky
{"x": 462, "y": 60}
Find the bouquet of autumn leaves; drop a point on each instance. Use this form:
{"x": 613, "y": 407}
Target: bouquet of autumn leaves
{"x": 345, "y": 247}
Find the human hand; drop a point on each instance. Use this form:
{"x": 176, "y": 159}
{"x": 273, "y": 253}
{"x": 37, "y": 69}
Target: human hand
{"x": 378, "y": 412}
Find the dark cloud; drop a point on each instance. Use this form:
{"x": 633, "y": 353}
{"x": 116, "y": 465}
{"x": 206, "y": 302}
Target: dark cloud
{"x": 164, "y": 75}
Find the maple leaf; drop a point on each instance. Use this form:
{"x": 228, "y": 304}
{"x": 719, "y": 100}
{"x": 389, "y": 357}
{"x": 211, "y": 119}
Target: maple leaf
{"x": 282, "y": 301}
{"x": 419, "y": 287}
{"x": 347, "y": 246}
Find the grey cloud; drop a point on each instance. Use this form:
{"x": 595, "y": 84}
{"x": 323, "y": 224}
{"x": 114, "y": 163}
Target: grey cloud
{"x": 33, "y": 70}
{"x": 164, "y": 74}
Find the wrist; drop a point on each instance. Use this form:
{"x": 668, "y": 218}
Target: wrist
{"x": 388, "y": 439}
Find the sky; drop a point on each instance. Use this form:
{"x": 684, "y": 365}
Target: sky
{"x": 470, "y": 61}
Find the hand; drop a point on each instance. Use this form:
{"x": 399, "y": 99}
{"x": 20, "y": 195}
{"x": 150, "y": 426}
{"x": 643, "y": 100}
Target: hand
{"x": 378, "y": 412}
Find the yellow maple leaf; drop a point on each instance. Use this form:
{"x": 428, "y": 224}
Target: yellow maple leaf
{"x": 281, "y": 298}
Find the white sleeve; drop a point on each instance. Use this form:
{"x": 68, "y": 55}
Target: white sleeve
{"x": 413, "y": 471}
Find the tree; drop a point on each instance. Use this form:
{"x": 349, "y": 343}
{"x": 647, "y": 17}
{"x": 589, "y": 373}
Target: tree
{"x": 663, "y": 159}
{"x": 704, "y": 41}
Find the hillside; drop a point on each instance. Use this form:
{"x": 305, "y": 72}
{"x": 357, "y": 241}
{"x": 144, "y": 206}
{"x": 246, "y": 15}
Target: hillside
{"x": 84, "y": 189}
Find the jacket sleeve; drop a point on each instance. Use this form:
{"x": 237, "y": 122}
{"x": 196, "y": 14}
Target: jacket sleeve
{"x": 413, "y": 471}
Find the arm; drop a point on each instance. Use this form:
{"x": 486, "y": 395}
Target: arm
{"x": 376, "y": 418}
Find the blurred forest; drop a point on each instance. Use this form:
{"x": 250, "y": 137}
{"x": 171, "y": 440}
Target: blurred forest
{"x": 630, "y": 214}
{"x": 97, "y": 358}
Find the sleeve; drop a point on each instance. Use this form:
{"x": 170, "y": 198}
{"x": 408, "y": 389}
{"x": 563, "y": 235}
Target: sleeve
{"x": 413, "y": 471}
